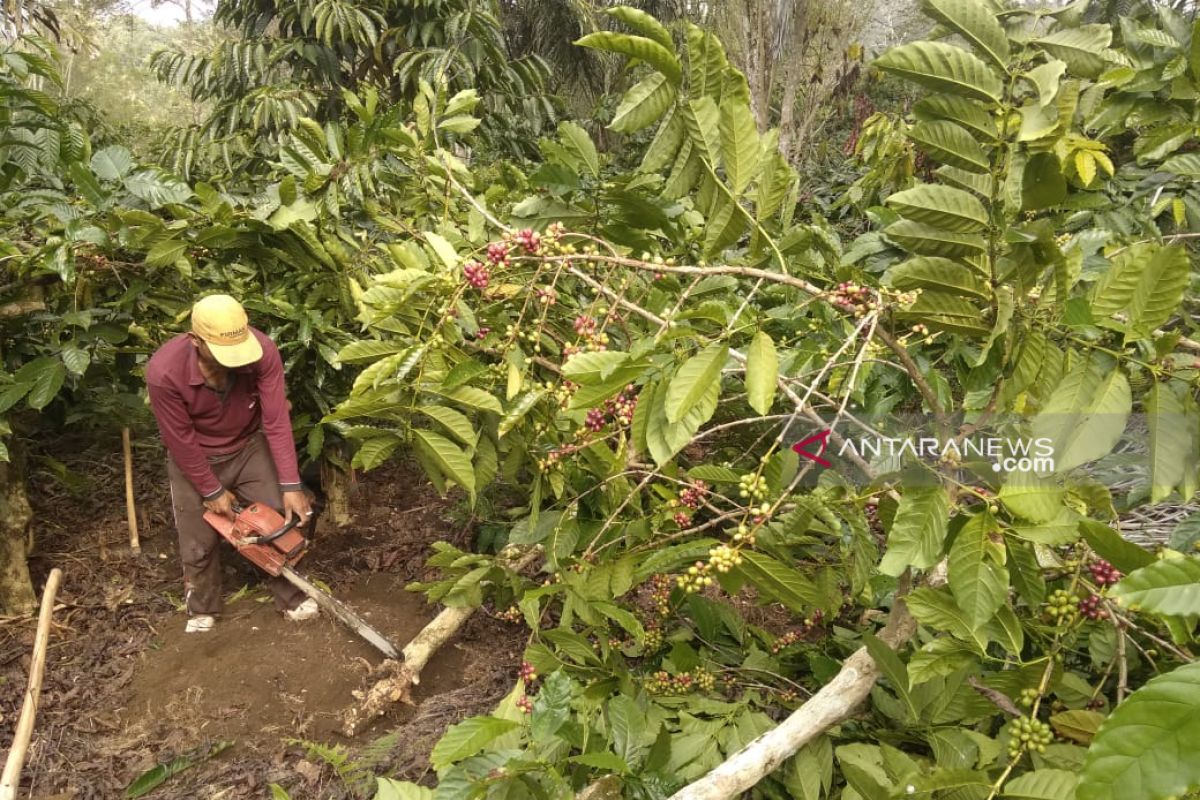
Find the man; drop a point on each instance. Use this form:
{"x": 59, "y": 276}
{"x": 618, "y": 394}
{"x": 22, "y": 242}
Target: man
{"x": 218, "y": 395}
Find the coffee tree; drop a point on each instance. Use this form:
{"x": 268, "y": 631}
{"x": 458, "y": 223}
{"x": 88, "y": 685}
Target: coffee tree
{"x": 625, "y": 368}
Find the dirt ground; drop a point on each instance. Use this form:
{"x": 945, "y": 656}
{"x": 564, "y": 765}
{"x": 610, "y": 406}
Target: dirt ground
{"x": 126, "y": 689}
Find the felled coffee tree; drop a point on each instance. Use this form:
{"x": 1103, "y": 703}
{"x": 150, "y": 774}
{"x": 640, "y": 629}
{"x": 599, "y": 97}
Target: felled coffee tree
{"x": 623, "y": 370}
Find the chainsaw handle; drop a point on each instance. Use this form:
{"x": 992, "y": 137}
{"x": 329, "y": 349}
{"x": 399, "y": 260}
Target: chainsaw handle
{"x": 270, "y": 537}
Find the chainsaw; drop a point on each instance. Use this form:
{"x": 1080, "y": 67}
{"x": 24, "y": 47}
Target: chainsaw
{"x": 260, "y": 535}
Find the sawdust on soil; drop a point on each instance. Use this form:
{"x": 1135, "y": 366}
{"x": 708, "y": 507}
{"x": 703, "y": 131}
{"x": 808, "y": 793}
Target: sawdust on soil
{"x": 126, "y": 689}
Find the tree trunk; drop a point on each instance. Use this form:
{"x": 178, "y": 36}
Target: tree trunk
{"x": 16, "y": 589}
{"x": 337, "y": 482}
{"x": 787, "y": 117}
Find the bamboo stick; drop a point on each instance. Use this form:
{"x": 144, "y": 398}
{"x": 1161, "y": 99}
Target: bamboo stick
{"x": 130, "y": 507}
{"x": 11, "y": 778}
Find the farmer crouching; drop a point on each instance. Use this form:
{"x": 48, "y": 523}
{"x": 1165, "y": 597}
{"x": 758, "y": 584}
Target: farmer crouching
{"x": 218, "y": 395}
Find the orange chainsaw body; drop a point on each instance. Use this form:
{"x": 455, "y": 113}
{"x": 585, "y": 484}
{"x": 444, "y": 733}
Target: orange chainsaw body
{"x": 258, "y": 520}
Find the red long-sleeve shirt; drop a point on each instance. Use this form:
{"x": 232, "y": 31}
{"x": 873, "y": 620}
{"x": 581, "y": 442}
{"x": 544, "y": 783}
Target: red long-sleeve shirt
{"x": 196, "y": 421}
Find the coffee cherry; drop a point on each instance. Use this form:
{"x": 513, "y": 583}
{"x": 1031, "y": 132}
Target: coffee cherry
{"x": 1028, "y": 733}
{"x": 477, "y": 274}
{"x": 1104, "y": 573}
{"x": 1090, "y": 607}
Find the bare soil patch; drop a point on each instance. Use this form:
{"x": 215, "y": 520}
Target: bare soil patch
{"x": 126, "y": 688}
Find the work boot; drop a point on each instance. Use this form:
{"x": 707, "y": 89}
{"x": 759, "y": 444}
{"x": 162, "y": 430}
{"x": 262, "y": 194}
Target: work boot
{"x": 306, "y": 610}
{"x": 200, "y": 623}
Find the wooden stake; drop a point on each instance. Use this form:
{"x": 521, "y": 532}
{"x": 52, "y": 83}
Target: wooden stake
{"x": 11, "y": 778}
{"x": 130, "y": 507}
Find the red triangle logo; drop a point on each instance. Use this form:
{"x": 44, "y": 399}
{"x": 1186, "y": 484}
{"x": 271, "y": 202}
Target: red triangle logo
{"x": 823, "y": 438}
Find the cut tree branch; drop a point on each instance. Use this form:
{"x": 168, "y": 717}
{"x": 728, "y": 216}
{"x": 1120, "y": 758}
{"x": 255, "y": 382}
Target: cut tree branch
{"x": 394, "y": 680}
{"x": 835, "y": 702}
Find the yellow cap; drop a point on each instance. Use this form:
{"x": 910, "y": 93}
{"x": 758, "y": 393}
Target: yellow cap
{"x": 221, "y": 322}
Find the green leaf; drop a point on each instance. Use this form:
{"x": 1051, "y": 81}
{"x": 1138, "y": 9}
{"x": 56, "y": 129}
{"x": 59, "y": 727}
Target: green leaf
{"x": 460, "y": 123}
{"x": 552, "y": 707}
{"x": 1043, "y": 784}
{"x": 156, "y": 776}
{"x": 639, "y": 47}
{"x": 1187, "y": 164}
{"x": 950, "y": 144}
{"x": 593, "y": 367}
{"x": 918, "y": 530}
{"x": 693, "y": 380}
{"x": 703, "y": 120}
{"x": 714, "y": 473}
{"x": 392, "y": 789}
{"x": 453, "y": 462}
{"x": 929, "y": 241}
{"x": 942, "y": 656}
{"x": 475, "y": 398}
{"x": 46, "y": 382}
{"x": 1145, "y": 283}
{"x": 75, "y": 359}
{"x": 1042, "y": 182}
{"x": 1172, "y": 441}
{"x": 368, "y": 350}
{"x": 1111, "y": 546}
{"x": 779, "y": 582}
{"x": 1162, "y": 141}
{"x": 1037, "y": 122}
{"x": 975, "y": 22}
{"x": 969, "y": 114}
{"x": 1045, "y": 78}
{"x": 762, "y": 372}
{"x": 627, "y": 728}
{"x": 935, "y": 608}
{"x": 580, "y": 144}
{"x": 87, "y": 184}
{"x": 112, "y": 163}
{"x": 893, "y": 669}
{"x": 666, "y": 143}
{"x": 1085, "y": 415}
{"x": 978, "y": 182}
{"x": 645, "y": 24}
{"x": 979, "y": 585}
{"x": 166, "y": 252}
{"x": 644, "y": 103}
{"x": 740, "y": 148}
{"x": 1081, "y": 48}
{"x": 375, "y": 450}
{"x": 603, "y": 761}
{"x": 940, "y": 206}
{"x": 939, "y": 274}
{"x": 1079, "y": 725}
{"x": 519, "y": 409}
{"x": 466, "y": 739}
{"x": 943, "y": 67}
{"x": 1170, "y": 587}
{"x": 453, "y": 421}
{"x": 443, "y": 249}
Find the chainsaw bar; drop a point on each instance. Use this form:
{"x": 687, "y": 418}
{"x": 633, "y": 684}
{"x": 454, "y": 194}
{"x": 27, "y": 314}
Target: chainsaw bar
{"x": 340, "y": 610}
{"x": 260, "y": 535}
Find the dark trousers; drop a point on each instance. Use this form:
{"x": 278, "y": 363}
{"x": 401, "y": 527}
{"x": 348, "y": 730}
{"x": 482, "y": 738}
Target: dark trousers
{"x": 250, "y": 474}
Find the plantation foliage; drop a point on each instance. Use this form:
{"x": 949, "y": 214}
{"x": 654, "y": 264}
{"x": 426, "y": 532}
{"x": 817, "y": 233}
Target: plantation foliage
{"x": 612, "y": 365}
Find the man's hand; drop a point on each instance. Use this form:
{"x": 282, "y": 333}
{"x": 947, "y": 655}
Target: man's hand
{"x": 296, "y": 503}
{"x": 222, "y": 504}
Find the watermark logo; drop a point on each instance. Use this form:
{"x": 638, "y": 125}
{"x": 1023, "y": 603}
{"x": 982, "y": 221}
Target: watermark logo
{"x": 822, "y": 439}
{"x": 1007, "y": 454}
